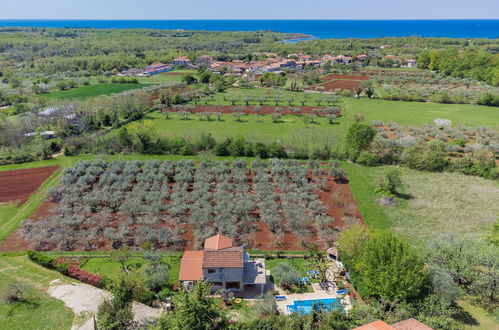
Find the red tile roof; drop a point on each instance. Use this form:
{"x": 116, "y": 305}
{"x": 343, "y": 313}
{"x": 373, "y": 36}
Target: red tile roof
{"x": 226, "y": 258}
{"x": 376, "y": 325}
{"x": 191, "y": 266}
{"x": 218, "y": 242}
{"x": 411, "y": 324}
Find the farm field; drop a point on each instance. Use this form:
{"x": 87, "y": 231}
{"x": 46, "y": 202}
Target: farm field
{"x": 18, "y": 185}
{"x": 91, "y": 91}
{"x": 267, "y": 109}
{"x": 334, "y": 82}
{"x": 403, "y": 113}
{"x": 362, "y": 182}
{"x": 290, "y": 128}
{"x": 39, "y": 308}
{"x": 176, "y": 206}
{"x": 419, "y": 113}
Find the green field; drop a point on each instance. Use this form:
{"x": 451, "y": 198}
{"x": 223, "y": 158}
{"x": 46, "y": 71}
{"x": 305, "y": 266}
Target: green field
{"x": 91, "y": 91}
{"x": 39, "y": 311}
{"x": 250, "y": 126}
{"x": 403, "y": 113}
{"x": 437, "y": 203}
{"x": 110, "y": 268}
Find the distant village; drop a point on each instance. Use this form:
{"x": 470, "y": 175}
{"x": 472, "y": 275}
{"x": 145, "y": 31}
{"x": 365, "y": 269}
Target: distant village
{"x": 272, "y": 63}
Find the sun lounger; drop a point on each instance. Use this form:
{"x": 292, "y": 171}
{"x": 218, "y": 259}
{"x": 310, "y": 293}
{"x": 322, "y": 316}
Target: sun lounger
{"x": 342, "y": 291}
{"x": 316, "y": 272}
{"x": 310, "y": 273}
{"x": 280, "y": 298}
{"x": 306, "y": 280}
{"x": 299, "y": 280}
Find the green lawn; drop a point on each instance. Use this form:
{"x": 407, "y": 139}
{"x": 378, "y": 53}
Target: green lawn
{"x": 437, "y": 203}
{"x": 110, "y": 268}
{"x": 418, "y": 113}
{"x": 403, "y": 113}
{"x": 477, "y": 318}
{"x": 39, "y": 311}
{"x": 251, "y": 127}
{"x": 91, "y": 91}
{"x": 362, "y": 180}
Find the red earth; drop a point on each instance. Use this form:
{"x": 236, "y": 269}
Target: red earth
{"x": 286, "y": 110}
{"x": 18, "y": 185}
{"x": 332, "y": 85}
{"x": 339, "y": 201}
{"x": 347, "y": 77}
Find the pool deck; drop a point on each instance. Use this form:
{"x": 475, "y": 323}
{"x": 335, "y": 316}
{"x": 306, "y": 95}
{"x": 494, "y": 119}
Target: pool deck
{"x": 319, "y": 293}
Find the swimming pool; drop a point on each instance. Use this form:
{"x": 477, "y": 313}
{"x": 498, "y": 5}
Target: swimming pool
{"x": 303, "y": 307}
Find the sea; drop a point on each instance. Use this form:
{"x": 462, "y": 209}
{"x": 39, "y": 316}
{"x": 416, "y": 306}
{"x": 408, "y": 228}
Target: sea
{"x": 320, "y": 29}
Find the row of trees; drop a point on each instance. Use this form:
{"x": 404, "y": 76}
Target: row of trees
{"x": 478, "y": 65}
{"x": 148, "y": 198}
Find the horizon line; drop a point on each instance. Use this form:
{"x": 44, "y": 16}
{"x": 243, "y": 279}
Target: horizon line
{"x": 248, "y": 19}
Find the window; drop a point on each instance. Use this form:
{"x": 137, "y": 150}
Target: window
{"x": 232, "y": 285}
{"x": 211, "y": 271}
{"x": 217, "y": 284}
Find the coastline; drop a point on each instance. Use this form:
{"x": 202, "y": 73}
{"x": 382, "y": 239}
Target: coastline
{"x": 315, "y": 29}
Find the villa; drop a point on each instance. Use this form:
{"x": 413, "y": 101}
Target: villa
{"x": 223, "y": 265}
{"x": 182, "y": 60}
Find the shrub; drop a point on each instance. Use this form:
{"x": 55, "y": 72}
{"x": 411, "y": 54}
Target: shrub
{"x": 359, "y": 137}
{"x": 84, "y": 276}
{"x": 423, "y": 156}
{"x": 63, "y": 268}
{"x": 390, "y": 182}
{"x": 285, "y": 274}
{"x": 14, "y": 293}
{"x": 42, "y": 259}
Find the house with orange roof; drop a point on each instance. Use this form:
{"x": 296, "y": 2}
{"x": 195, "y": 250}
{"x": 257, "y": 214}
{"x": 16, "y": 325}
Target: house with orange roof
{"x": 223, "y": 265}
{"x": 409, "y": 324}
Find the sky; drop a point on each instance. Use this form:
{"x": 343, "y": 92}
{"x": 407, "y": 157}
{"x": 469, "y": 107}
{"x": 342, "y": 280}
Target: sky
{"x": 249, "y": 9}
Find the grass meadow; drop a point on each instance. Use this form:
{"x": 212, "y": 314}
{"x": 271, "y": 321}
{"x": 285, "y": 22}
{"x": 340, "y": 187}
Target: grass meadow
{"x": 91, "y": 91}
{"x": 39, "y": 310}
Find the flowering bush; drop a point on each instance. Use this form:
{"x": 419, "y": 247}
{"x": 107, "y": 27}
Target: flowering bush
{"x": 442, "y": 123}
{"x": 83, "y": 276}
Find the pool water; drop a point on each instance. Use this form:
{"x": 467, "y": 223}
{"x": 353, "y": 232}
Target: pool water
{"x": 303, "y": 307}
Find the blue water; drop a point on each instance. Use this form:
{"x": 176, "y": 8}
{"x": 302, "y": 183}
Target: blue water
{"x": 321, "y": 29}
{"x": 303, "y": 307}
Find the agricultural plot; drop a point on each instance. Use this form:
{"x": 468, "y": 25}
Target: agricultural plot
{"x": 257, "y": 109}
{"x": 18, "y": 185}
{"x": 176, "y": 205}
{"x": 332, "y": 83}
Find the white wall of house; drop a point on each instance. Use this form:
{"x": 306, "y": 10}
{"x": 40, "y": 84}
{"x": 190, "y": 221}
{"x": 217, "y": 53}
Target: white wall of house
{"x": 224, "y": 276}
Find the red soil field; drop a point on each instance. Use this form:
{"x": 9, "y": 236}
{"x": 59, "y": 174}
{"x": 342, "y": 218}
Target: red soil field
{"x": 229, "y": 109}
{"x": 341, "y": 84}
{"x": 347, "y": 77}
{"x": 18, "y": 185}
